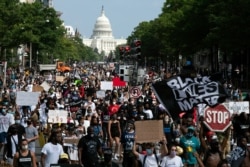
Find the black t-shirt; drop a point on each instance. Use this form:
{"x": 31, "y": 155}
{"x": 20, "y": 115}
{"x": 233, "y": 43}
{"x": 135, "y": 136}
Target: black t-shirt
{"x": 89, "y": 146}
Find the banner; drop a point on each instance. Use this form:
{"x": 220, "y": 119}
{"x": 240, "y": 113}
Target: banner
{"x": 27, "y": 98}
{"x": 180, "y": 94}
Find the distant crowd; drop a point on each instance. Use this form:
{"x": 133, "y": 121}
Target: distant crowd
{"x": 101, "y": 131}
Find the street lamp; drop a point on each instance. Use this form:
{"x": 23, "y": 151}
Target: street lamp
{"x": 37, "y": 57}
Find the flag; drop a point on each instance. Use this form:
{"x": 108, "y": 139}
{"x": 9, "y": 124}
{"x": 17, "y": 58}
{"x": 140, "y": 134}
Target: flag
{"x": 180, "y": 93}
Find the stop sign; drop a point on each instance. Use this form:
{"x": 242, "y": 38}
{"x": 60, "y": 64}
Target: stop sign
{"x": 217, "y": 118}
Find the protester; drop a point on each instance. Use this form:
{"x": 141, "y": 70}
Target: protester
{"x": 172, "y": 160}
{"x": 190, "y": 144}
{"x": 24, "y": 157}
{"x": 127, "y": 141}
{"x": 52, "y": 150}
{"x": 89, "y": 147}
{"x": 114, "y": 132}
{"x": 31, "y": 134}
{"x": 151, "y": 159}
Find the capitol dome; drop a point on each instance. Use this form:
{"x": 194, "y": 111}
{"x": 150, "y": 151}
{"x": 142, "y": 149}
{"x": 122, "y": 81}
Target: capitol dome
{"x": 102, "y": 28}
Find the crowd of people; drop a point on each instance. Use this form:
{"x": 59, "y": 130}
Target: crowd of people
{"x": 103, "y": 130}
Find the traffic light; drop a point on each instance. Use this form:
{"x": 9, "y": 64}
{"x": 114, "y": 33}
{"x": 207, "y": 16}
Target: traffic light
{"x": 124, "y": 51}
{"x": 121, "y": 52}
{"x": 136, "y": 45}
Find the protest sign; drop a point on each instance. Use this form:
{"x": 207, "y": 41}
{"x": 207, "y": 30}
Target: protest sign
{"x": 45, "y": 86}
{"x": 57, "y": 116}
{"x": 238, "y": 107}
{"x": 100, "y": 94}
{"x": 149, "y": 131}
{"x": 106, "y": 85}
{"x": 27, "y": 98}
{"x": 37, "y": 88}
{"x": 68, "y": 141}
{"x": 59, "y": 78}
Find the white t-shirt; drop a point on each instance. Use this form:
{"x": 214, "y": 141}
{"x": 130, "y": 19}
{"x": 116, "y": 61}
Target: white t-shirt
{"x": 14, "y": 142}
{"x": 150, "y": 160}
{"x": 52, "y": 153}
{"x": 6, "y": 121}
{"x": 168, "y": 161}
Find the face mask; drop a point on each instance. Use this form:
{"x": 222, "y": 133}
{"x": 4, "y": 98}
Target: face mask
{"x": 4, "y": 111}
{"x": 17, "y": 121}
{"x": 149, "y": 151}
{"x": 45, "y": 101}
{"x": 190, "y": 134}
{"x": 173, "y": 153}
{"x": 128, "y": 129}
{"x": 92, "y": 135}
{"x": 25, "y": 147}
{"x": 114, "y": 102}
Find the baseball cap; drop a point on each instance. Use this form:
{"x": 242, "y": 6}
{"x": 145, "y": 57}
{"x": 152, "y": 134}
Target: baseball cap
{"x": 64, "y": 156}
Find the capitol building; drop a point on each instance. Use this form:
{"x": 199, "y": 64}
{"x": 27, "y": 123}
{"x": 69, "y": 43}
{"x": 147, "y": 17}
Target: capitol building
{"x": 102, "y": 37}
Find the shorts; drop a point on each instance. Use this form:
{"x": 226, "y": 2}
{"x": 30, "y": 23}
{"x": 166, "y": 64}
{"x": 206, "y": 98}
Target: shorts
{"x": 3, "y": 136}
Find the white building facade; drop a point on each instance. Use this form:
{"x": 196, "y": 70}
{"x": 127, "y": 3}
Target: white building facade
{"x": 102, "y": 37}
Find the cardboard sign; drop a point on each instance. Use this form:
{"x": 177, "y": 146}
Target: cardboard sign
{"x": 149, "y": 131}
{"x": 70, "y": 140}
{"x": 57, "y": 116}
{"x": 106, "y": 85}
{"x": 37, "y": 88}
{"x": 100, "y": 94}
{"x": 27, "y": 98}
{"x": 45, "y": 86}
{"x": 59, "y": 78}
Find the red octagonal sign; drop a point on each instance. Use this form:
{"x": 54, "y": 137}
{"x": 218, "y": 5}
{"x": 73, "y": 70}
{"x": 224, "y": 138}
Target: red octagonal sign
{"x": 217, "y": 118}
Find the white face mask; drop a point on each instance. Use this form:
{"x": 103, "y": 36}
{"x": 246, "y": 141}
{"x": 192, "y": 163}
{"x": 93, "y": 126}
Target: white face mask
{"x": 25, "y": 147}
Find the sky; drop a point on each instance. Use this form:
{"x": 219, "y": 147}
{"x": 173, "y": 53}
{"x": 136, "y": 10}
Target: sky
{"x": 124, "y": 15}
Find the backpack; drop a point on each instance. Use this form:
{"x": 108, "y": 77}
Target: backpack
{"x": 144, "y": 159}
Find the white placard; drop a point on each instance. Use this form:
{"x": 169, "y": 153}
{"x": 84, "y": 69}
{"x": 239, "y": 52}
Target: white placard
{"x": 238, "y": 107}
{"x": 45, "y": 86}
{"x": 106, "y": 85}
{"x": 57, "y": 116}
{"x": 27, "y": 98}
{"x": 100, "y": 94}
{"x": 86, "y": 124}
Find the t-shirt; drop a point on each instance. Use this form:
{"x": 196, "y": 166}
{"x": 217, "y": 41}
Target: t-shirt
{"x": 52, "y": 152}
{"x": 175, "y": 161}
{"x": 89, "y": 146}
{"x": 6, "y": 121}
{"x": 190, "y": 145}
{"x": 30, "y": 132}
{"x": 150, "y": 160}
{"x": 127, "y": 140}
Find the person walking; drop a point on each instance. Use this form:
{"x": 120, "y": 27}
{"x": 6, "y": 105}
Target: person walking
{"x": 24, "y": 157}
{"x": 151, "y": 159}
{"x": 89, "y": 147}
{"x": 172, "y": 160}
{"x": 52, "y": 150}
{"x": 127, "y": 141}
{"x": 31, "y": 135}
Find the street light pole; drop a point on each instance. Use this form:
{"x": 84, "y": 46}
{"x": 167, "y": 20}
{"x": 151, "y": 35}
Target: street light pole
{"x": 30, "y": 54}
